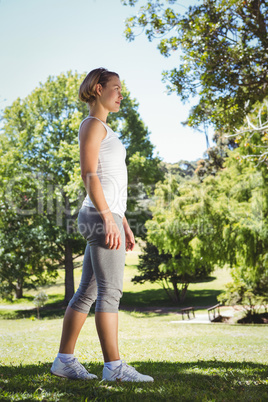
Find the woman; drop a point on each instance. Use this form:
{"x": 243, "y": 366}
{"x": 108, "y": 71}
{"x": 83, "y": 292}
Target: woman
{"x": 102, "y": 222}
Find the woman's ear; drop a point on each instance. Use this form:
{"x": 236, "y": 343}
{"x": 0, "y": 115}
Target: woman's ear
{"x": 98, "y": 89}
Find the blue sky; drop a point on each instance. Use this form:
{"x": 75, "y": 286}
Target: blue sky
{"x": 39, "y": 38}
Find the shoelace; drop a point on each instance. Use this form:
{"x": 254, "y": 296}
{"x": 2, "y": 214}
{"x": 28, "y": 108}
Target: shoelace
{"x": 78, "y": 367}
{"x": 126, "y": 369}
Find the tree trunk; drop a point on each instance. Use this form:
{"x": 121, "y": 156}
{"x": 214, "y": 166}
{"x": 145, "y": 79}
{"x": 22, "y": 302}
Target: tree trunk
{"x": 176, "y": 291}
{"x": 69, "y": 273}
{"x": 19, "y": 289}
{"x": 183, "y": 292}
{"x": 168, "y": 290}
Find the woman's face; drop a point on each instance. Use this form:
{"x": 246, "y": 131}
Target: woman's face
{"x": 110, "y": 96}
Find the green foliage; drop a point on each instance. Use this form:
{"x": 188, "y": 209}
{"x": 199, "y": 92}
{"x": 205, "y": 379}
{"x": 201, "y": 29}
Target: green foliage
{"x": 251, "y": 293}
{"x": 223, "y": 54}
{"x": 243, "y": 186}
{"x": 178, "y": 221}
{"x": 179, "y": 231}
{"x": 220, "y": 220}
{"x": 24, "y": 248}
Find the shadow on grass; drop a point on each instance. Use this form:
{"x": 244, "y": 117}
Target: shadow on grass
{"x": 194, "y": 381}
{"x": 158, "y": 297}
{"x": 202, "y": 297}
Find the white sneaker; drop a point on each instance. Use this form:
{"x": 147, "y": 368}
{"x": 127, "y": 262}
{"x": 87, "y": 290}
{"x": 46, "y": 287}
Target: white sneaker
{"x": 73, "y": 370}
{"x": 125, "y": 373}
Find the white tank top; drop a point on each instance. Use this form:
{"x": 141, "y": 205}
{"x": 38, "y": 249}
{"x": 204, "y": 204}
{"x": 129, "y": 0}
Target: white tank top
{"x": 112, "y": 171}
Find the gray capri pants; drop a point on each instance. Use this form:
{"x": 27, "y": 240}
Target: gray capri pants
{"x": 103, "y": 268}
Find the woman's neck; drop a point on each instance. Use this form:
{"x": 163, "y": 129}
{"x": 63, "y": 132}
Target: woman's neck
{"x": 98, "y": 112}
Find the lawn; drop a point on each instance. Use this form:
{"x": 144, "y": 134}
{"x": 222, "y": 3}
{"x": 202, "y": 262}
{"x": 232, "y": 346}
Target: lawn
{"x": 190, "y": 362}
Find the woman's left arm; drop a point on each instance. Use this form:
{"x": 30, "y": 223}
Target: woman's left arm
{"x": 130, "y": 239}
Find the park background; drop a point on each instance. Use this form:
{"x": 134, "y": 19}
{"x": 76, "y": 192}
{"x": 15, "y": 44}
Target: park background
{"x": 197, "y": 198}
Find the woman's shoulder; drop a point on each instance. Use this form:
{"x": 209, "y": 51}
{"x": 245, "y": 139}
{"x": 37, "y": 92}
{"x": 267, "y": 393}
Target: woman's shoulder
{"x": 92, "y": 127}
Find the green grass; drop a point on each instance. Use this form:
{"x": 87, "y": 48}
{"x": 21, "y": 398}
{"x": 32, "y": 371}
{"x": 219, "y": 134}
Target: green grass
{"x": 190, "y": 362}
{"x": 203, "y": 381}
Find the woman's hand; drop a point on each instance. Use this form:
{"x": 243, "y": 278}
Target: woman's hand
{"x": 130, "y": 239}
{"x": 112, "y": 234}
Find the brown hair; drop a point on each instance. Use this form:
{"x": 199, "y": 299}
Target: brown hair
{"x": 87, "y": 90}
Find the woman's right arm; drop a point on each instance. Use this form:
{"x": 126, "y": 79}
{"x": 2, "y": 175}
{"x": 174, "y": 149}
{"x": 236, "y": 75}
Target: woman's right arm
{"x": 91, "y": 134}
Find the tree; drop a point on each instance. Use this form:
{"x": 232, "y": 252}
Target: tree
{"x": 245, "y": 180}
{"x": 221, "y": 220}
{"x": 239, "y": 194}
{"x": 24, "y": 245}
{"x": 42, "y": 187}
{"x": 223, "y": 53}
{"x": 181, "y": 232}
{"x": 153, "y": 268}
